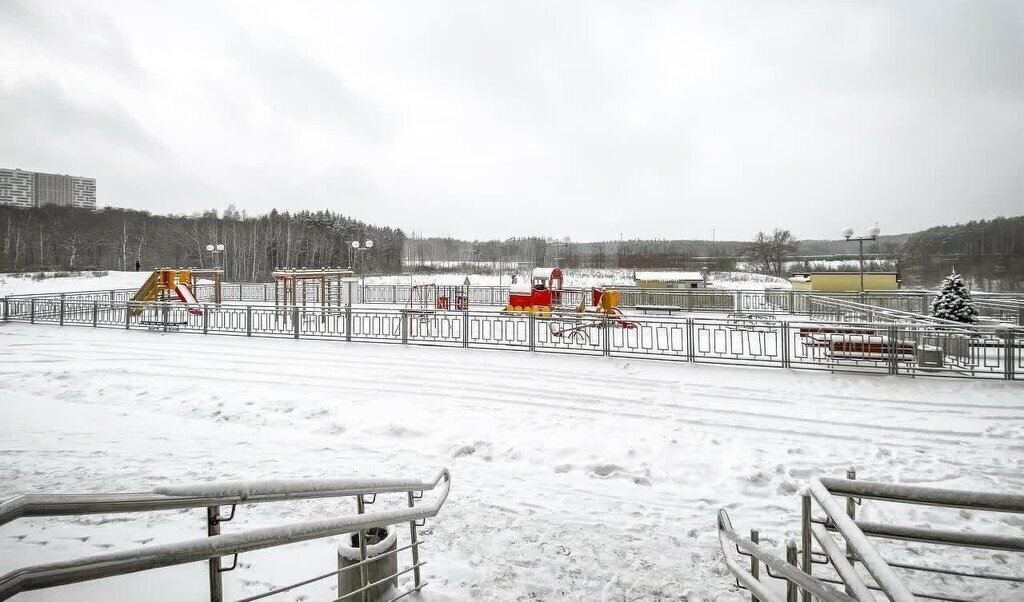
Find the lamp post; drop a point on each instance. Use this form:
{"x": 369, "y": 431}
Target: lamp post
{"x": 358, "y": 248}
{"x": 872, "y": 234}
{"x": 214, "y": 251}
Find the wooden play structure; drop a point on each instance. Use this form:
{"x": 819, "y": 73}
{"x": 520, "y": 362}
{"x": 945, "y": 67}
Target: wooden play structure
{"x": 543, "y": 293}
{"x": 334, "y": 286}
{"x": 176, "y": 284}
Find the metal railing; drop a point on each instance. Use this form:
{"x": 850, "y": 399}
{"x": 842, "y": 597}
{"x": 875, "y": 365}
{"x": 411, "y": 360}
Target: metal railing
{"x": 213, "y": 496}
{"x": 898, "y": 580}
{"x": 915, "y": 349}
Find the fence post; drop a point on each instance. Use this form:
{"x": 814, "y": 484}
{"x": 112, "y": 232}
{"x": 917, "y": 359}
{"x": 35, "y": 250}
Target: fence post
{"x": 295, "y": 320}
{"x": 5, "y": 309}
{"x": 127, "y": 314}
{"x": 792, "y": 308}
{"x": 755, "y": 565}
{"x": 206, "y": 318}
{"x": 265, "y": 292}
{"x": 784, "y": 334}
{"x": 791, "y": 589}
{"x": 61, "y": 309}
{"x": 606, "y": 335}
{"x": 95, "y": 310}
{"x": 1008, "y": 355}
{"x": 805, "y": 537}
{"x": 738, "y": 302}
{"x": 163, "y": 311}
{"x": 248, "y": 320}
{"x": 405, "y": 326}
{"x": 394, "y": 293}
{"x": 690, "y": 342}
{"x": 465, "y": 325}
{"x": 348, "y": 323}
{"x": 212, "y": 529}
{"x": 111, "y": 296}
{"x": 893, "y": 346}
{"x": 32, "y": 311}
{"x": 531, "y": 323}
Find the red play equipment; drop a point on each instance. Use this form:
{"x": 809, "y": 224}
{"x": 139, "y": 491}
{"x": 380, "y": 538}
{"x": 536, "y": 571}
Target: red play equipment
{"x": 543, "y": 293}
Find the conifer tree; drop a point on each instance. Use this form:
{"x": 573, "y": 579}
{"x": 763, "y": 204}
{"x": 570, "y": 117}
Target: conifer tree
{"x": 954, "y": 301}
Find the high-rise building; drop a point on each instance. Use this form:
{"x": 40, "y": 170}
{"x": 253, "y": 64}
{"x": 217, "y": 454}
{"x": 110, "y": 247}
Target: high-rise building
{"x": 19, "y": 188}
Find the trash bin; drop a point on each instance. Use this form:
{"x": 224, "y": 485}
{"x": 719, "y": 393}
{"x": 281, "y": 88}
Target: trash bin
{"x": 929, "y": 356}
{"x": 378, "y": 541}
{"x": 442, "y": 302}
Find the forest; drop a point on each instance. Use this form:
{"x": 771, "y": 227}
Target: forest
{"x": 989, "y": 253}
{"x": 66, "y": 238}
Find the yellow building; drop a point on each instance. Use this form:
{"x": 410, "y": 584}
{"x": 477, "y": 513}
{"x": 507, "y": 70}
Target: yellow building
{"x": 836, "y": 282}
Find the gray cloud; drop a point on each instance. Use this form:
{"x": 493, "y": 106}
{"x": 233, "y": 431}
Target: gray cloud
{"x": 494, "y": 119}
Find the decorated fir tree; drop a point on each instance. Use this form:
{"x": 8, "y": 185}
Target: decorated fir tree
{"x": 954, "y": 301}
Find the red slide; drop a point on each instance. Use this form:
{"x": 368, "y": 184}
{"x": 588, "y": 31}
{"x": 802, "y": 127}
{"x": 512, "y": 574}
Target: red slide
{"x": 186, "y": 295}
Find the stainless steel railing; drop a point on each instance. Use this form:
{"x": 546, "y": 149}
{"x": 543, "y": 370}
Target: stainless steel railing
{"x": 217, "y": 545}
{"x": 896, "y": 579}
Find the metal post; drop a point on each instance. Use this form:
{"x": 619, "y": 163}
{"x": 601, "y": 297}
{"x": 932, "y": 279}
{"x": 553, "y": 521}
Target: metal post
{"x": 414, "y": 538}
{"x": 163, "y": 311}
{"x": 465, "y": 324}
{"x": 363, "y": 576}
{"x": 792, "y": 308}
{"x": 784, "y": 336}
{"x": 893, "y": 336}
{"x": 95, "y": 310}
{"x": 531, "y": 323}
{"x": 295, "y": 320}
{"x": 851, "y": 511}
{"x": 405, "y": 327}
{"x": 690, "y": 342}
{"x": 206, "y": 319}
{"x": 32, "y": 311}
{"x": 805, "y": 536}
{"x": 213, "y": 528}
{"x": 1008, "y": 358}
{"x": 791, "y": 589}
{"x": 755, "y": 564}
{"x": 127, "y": 315}
{"x": 248, "y": 320}
{"x": 61, "y": 309}
{"x": 861, "y": 241}
{"x": 5, "y": 309}
{"x": 348, "y": 323}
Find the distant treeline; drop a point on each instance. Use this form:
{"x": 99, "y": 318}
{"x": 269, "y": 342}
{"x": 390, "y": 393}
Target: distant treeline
{"x": 988, "y": 253}
{"x": 62, "y": 238}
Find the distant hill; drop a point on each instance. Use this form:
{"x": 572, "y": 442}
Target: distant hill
{"x": 989, "y": 254}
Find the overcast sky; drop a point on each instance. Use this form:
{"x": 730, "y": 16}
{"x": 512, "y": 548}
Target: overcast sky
{"x": 480, "y": 119}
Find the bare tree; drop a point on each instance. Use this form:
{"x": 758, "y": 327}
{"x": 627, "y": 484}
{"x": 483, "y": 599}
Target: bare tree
{"x": 768, "y": 253}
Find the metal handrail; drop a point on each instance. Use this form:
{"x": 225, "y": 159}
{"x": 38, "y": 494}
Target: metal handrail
{"x": 200, "y": 495}
{"x": 928, "y": 496}
{"x": 140, "y": 559}
{"x": 805, "y": 582}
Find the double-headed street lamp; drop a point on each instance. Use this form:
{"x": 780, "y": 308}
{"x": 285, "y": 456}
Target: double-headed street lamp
{"x": 357, "y": 248}
{"x": 872, "y": 234}
{"x": 214, "y": 251}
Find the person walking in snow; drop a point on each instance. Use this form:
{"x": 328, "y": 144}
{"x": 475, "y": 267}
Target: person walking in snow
{"x": 137, "y": 265}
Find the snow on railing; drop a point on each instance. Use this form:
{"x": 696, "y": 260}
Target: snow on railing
{"x": 217, "y": 545}
{"x": 797, "y": 573}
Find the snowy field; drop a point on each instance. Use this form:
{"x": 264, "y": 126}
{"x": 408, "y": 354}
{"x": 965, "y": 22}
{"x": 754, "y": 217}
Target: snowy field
{"x": 574, "y": 478}
{"x": 40, "y": 283}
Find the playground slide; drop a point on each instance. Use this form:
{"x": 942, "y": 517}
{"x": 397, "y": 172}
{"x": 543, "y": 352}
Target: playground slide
{"x": 147, "y": 292}
{"x": 186, "y": 295}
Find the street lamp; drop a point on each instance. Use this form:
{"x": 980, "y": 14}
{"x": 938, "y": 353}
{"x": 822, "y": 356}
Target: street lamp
{"x": 214, "y": 251}
{"x": 873, "y": 232}
{"x": 359, "y": 248}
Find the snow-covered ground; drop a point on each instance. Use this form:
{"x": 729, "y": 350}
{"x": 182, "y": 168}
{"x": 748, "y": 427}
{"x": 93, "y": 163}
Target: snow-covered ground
{"x": 40, "y": 283}
{"x": 573, "y": 477}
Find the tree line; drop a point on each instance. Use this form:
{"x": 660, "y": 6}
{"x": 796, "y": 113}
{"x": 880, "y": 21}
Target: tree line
{"x": 988, "y": 253}
{"x": 68, "y": 238}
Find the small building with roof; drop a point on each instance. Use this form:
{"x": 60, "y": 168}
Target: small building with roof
{"x": 673, "y": 280}
{"x": 838, "y": 282}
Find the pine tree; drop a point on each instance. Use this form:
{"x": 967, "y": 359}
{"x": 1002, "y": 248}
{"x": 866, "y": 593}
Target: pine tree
{"x": 954, "y": 301}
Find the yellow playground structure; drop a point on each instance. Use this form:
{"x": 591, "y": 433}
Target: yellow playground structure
{"x": 167, "y": 284}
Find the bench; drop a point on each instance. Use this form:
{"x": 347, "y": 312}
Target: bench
{"x": 668, "y": 309}
{"x": 822, "y": 336}
{"x": 872, "y": 348}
